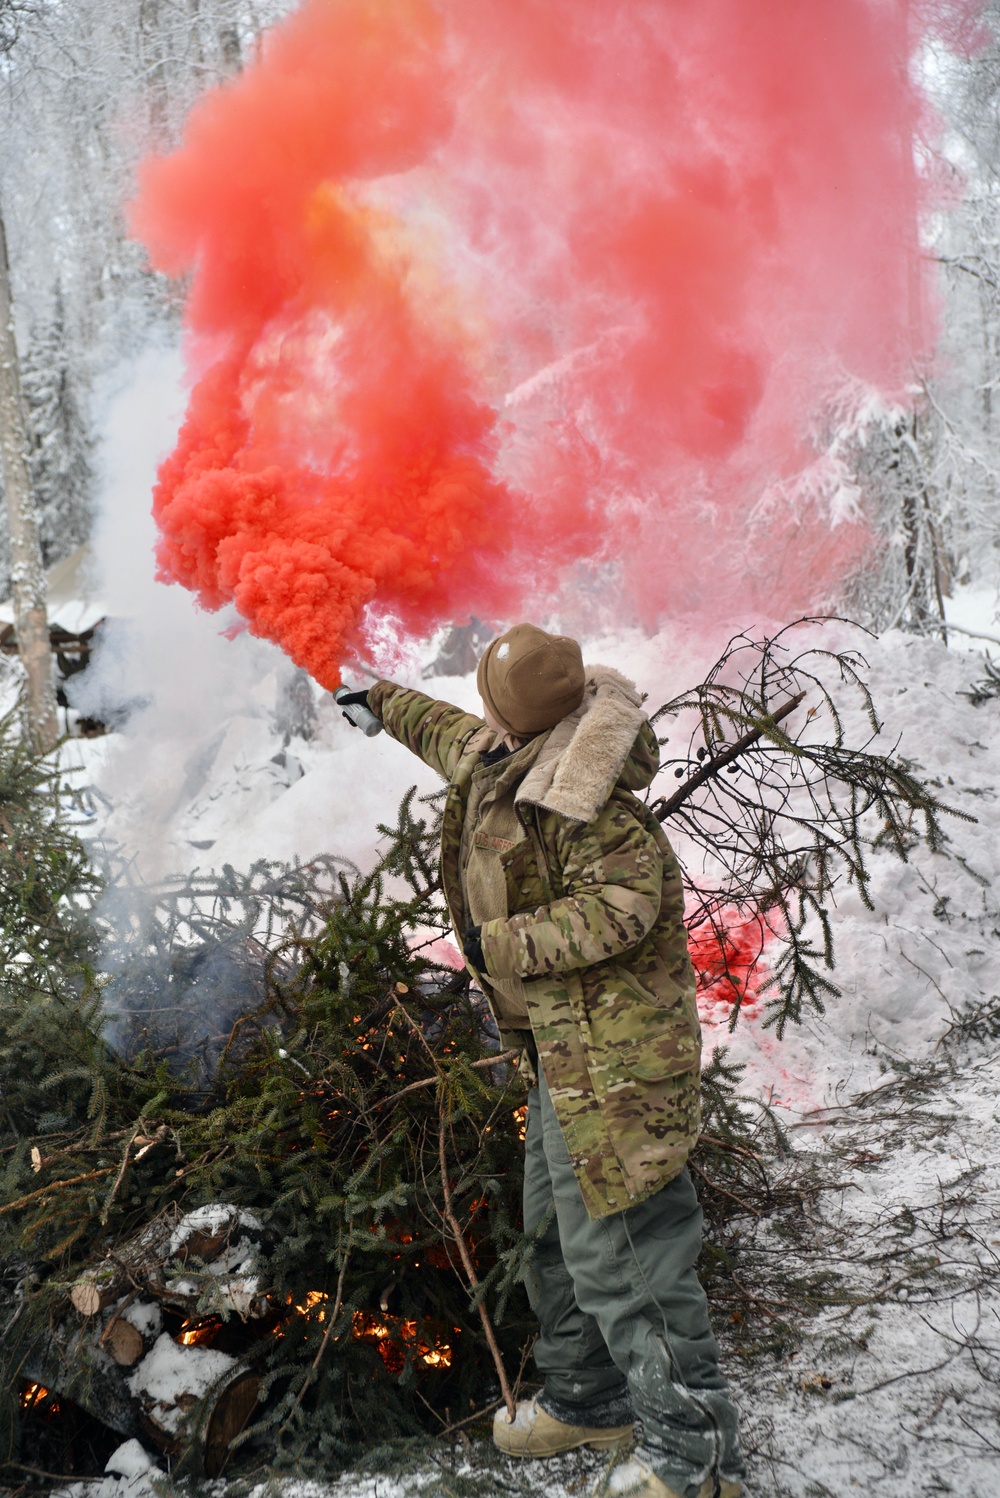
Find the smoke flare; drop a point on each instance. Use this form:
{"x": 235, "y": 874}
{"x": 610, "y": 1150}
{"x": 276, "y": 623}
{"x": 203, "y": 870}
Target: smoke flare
{"x": 479, "y": 292}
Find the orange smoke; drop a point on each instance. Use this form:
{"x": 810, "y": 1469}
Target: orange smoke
{"x": 478, "y": 291}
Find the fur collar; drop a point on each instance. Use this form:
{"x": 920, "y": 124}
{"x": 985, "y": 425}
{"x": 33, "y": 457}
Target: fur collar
{"x": 582, "y": 758}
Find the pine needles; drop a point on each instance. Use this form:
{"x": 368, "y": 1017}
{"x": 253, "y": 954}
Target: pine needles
{"x": 357, "y": 1101}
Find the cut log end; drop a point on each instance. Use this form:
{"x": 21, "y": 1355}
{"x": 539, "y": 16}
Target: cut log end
{"x": 87, "y": 1298}
{"x": 124, "y": 1342}
{"x": 229, "y": 1417}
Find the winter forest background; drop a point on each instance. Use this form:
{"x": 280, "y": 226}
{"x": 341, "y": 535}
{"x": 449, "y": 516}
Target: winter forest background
{"x": 89, "y": 89}
{"x": 229, "y": 836}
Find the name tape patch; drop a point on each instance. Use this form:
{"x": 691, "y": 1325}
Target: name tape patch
{"x": 497, "y": 844}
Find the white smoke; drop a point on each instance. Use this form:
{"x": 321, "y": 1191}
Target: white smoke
{"x": 198, "y": 772}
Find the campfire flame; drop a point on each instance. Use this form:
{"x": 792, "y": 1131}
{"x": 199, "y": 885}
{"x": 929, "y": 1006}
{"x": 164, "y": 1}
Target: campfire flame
{"x": 198, "y": 1331}
{"x": 396, "y": 1338}
{"x": 33, "y": 1396}
{"x": 314, "y": 1298}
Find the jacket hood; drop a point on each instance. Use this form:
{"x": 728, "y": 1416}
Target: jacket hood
{"x": 607, "y": 740}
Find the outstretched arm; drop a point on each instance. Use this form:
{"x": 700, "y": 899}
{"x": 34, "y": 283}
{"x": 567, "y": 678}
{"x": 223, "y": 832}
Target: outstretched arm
{"x": 435, "y": 731}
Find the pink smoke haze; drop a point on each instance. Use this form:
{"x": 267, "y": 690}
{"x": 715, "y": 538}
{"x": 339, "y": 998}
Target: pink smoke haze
{"x": 481, "y": 292}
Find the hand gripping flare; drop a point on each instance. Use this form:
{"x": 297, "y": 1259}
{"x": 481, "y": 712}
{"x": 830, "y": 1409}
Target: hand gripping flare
{"x": 357, "y": 712}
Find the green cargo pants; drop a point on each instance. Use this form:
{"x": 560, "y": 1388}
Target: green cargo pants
{"x": 622, "y": 1312}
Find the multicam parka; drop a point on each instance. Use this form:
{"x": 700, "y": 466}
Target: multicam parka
{"x": 594, "y": 927}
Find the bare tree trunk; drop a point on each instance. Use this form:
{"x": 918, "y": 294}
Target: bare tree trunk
{"x": 30, "y": 617}
{"x": 232, "y": 52}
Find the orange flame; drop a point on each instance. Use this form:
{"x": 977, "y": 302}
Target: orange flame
{"x": 199, "y": 1331}
{"x": 35, "y": 1396}
{"x": 395, "y": 1338}
{"x": 314, "y": 1298}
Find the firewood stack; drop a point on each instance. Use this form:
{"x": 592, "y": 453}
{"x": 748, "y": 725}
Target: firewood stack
{"x": 146, "y": 1313}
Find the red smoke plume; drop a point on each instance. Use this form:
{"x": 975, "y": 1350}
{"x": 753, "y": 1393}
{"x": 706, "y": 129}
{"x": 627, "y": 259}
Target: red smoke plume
{"x": 730, "y": 964}
{"x": 482, "y": 290}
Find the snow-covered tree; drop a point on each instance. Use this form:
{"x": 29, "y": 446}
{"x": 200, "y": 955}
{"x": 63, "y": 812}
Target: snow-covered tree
{"x": 60, "y": 450}
{"x": 85, "y": 93}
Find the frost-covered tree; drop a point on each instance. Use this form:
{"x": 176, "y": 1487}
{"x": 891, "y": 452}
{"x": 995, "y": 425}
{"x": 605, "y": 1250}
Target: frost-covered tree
{"x": 894, "y": 456}
{"x": 87, "y": 91}
{"x": 935, "y": 475}
{"x": 60, "y": 441}
{"x": 30, "y": 619}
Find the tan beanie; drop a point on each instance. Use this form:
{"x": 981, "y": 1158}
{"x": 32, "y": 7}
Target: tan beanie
{"x": 529, "y": 679}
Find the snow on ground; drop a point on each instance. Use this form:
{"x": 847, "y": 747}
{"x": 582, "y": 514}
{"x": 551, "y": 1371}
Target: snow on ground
{"x": 894, "y": 1388}
{"x": 973, "y": 614}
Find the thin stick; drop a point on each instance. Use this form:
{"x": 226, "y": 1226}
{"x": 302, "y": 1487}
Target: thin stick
{"x": 716, "y": 1187}
{"x": 732, "y": 1149}
{"x": 974, "y": 634}
{"x": 456, "y": 1230}
{"x": 22, "y": 1201}
{"x": 431, "y": 1081}
{"x": 120, "y": 1176}
{"x": 666, "y": 807}
{"x": 469, "y": 1267}
{"x": 460, "y": 1424}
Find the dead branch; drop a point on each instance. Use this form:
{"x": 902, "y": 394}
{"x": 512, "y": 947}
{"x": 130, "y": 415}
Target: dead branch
{"x": 467, "y": 1264}
{"x": 22, "y": 1201}
{"x": 666, "y": 806}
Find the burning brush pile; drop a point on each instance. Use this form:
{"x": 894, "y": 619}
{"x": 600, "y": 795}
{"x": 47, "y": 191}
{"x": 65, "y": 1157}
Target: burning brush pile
{"x": 277, "y": 1218}
{"x": 260, "y": 1190}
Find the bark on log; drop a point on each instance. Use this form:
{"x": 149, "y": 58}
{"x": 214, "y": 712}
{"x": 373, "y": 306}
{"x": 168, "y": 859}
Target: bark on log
{"x": 129, "y": 1268}
{"x": 27, "y": 576}
{"x": 189, "y": 1400}
{"x": 220, "y": 1236}
{"x": 78, "y": 1369}
{"x": 193, "y": 1402}
{"x": 225, "y": 1240}
{"x": 230, "y": 1416}
{"x": 186, "y": 1401}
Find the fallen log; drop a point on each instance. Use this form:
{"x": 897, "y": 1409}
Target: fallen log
{"x": 76, "y": 1368}
{"x": 204, "y": 1259}
{"x": 123, "y": 1342}
{"x": 131, "y": 1265}
{"x": 193, "y": 1401}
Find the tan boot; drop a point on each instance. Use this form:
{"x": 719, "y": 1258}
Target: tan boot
{"x": 534, "y": 1433}
{"x": 636, "y": 1479}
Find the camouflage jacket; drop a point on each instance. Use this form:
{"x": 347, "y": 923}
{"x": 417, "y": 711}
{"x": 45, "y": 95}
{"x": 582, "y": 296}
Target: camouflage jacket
{"x": 594, "y": 928}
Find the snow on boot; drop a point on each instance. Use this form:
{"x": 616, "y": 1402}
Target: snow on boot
{"x": 636, "y": 1479}
{"x": 534, "y": 1433}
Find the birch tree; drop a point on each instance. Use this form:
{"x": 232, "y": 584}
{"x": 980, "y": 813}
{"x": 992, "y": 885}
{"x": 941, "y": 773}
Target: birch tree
{"x": 27, "y": 577}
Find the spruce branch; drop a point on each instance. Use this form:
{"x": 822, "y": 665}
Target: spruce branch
{"x": 770, "y": 819}
{"x": 664, "y": 808}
